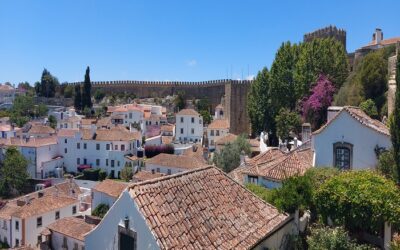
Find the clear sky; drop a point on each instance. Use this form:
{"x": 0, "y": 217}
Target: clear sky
{"x": 169, "y": 39}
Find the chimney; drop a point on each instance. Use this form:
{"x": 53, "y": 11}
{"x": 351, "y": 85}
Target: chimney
{"x": 93, "y": 130}
{"x": 40, "y": 194}
{"x": 295, "y": 142}
{"x": 27, "y": 199}
{"x": 378, "y": 36}
{"x": 332, "y": 111}
{"x": 306, "y": 132}
{"x": 242, "y": 157}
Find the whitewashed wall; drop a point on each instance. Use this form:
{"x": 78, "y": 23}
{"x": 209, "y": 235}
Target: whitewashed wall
{"x": 187, "y": 126}
{"x": 99, "y": 198}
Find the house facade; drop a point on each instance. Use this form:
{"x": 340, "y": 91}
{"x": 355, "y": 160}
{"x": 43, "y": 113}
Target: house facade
{"x": 107, "y": 192}
{"x": 188, "y": 126}
{"x": 349, "y": 140}
{"x": 217, "y": 129}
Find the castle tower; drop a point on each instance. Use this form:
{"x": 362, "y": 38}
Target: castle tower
{"x": 327, "y": 32}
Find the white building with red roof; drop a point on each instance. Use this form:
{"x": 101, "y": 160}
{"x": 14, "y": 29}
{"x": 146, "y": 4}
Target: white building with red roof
{"x": 349, "y": 140}
{"x": 189, "y": 126}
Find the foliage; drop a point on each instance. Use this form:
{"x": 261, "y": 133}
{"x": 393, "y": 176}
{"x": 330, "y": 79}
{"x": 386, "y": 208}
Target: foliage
{"x": 260, "y": 191}
{"x": 100, "y": 210}
{"x": 68, "y": 91}
{"x": 387, "y": 165}
{"x": 351, "y": 92}
{"x": 369, "y": 108}
{"x": 77, "y": 97}
{"x": 373, "y": 77}
{"x": 91, "y": 174}
{"x": 395, "y": 121}
{"x": 52, "y": 121}
{"x": 13, "y": 172}
{"x": 153, "y": 150}
{"x": 127, "y": 172}
{"x": 23, "y": 109}
{"x": 86, "y": 93}
{"x": 314, "y": 107}
{"x": 359, "y": 200}
{"x": 229, "y": 157}
{"x": 99, "y": 95}
{"x": 87, "y": 112}
{"x": 207, "y": 118}
{"x": 102, "y": 175}
{"x": 4, "y": 113}
{"x": 320, "y": 56}
{"x": 41, "y": 110}
{"x": 282, "y": 78}
{"x": 332, "y": 238}
{"x": 179, "y": 101}
{"x": 259, "y": 104}
{"x": 203, "y": 104}
{"x": 395, "y": 244}
{"x": 287, "y": 122}
{"x": 47, "y": 85}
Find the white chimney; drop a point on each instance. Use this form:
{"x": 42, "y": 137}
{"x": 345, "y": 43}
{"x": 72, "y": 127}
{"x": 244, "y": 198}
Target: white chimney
{"x": 332, "y": 111}
{"x": 378, "y": 36}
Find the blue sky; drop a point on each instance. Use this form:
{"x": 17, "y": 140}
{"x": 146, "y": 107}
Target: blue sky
{"x": 170, "y": 40}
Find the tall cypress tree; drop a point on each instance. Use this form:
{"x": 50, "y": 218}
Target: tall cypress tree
{"x": 87, "y": 89}
{"x": 78, "y": 98}
{"x": 395, "y": 122}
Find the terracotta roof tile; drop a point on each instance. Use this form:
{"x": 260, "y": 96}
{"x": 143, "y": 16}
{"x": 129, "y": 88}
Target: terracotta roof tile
{"x": 145, "y": 176}
{"x": 177, "y": 161}
{"x": 67, "y": 132}
{"x": 389, "y": 41}
{"x": 361, "y": 117}
{"x": 167, "y": 139}
{"x": 31, "y": 142}
{"x": 88, "y": 121}
{"x": 219, "y": 124}
{"x": 228, "y": 138}
{"x": 41, "y": 129}
{"x": 167, "y": 128}
{"x": 73, "y": 227}
{"x": 188, "y": 112}
{"x": 110, "y": 187}
{"x": 204, "y": 209}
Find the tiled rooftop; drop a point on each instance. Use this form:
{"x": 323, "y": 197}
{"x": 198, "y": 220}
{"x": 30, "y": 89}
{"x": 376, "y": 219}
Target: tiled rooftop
{"x": 110, "y": 187}
{"x": 204, "y": 209}
{"x": 73, "y": 227}
{"x": 219, "y": 124}
{"x": 145, "y": 176}
{"x": 177, "y": 161}
{"x": 188, "y": 112}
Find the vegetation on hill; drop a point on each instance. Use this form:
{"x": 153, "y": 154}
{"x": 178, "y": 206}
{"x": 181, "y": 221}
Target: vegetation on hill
{"x": 229, "y": 157}
{"x": 395, "y": 122}
{"x": 48, "y": 85}
{"x": 24, "y": 109}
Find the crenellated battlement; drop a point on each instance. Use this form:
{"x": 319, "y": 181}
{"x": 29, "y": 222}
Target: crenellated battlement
{"x": 327, "y": 32}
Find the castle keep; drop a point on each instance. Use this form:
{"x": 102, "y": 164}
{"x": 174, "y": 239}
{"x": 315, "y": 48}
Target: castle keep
{"x": 327, "y": 32}
{"x": 233, "y": 91}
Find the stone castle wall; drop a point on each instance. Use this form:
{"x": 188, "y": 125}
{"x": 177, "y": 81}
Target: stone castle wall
{"x": 327, "y": 32}
{"x": 234, "y": 91}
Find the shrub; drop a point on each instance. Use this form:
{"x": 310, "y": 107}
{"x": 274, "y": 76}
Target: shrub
{"x": 369, "y": 108}
{"x": 153, "y": 150}
{"x": 261, "y": 192}
{"x": 336, "y": 238}
{"x": 387, "y": 165}
{"x": 91, "y": 174}
{"x": 100, "y": 210}
{"x": 102, "y": 175}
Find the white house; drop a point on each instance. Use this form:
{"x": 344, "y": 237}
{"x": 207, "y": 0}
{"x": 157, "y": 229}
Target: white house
{"x": 69, "y": 232}
{"x": 219, "y": 112}
{"x": 108, "y": 149}
{"x": 24, "y": 218}
{"x": 191, "y": 210}
{"x": 67, "y": 119}
{"x": 7, "y": 93}
{"x": 107, "y": 192}
{"x": 189, "y": 126}
{"x": 217, "y": 129}
{"x": 172, "y": 164}
{"x": 35, "y": 130}
{"x": 349, "y": 140}
{"x": 8, "y": 131}
{"x": 42, "y": 154}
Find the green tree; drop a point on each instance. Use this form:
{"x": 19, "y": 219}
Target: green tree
{"x": 359, "y": 200}
{"x": 52, "y": 121}
{"x": 78, "y": 98}
{"x": 68, "y": 91}
{"x": 99, "y": 95}
{"x": 179, "y": 101}
{"x": 229, "y": 157}
{"x": 203, "y": 104}
{"x": 22, "y": 110}
{"x": 369, "y": 108}
{"x": 207, "y": 118}
{"x": 47, "y": 85}
{"x": 259, "y": 106}
{"x": 87, "y": 89}
{"x": 281, "y": 76}
{"x": 395, "y": 121}
{"x": 287, "y": 122}
{"x": 387, "y": 165}
{"x": 127, "y": 172}
{"x": 13, "y": 172}
{"x": 100, "y": 210}
{"x": 260, "y": 191}
{"x": 320, "y": 56}
{"x": 41, "y": 110}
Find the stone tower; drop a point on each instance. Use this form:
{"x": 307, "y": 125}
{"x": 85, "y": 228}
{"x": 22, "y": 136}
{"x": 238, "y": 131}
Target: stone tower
{"x": 392, "y": 61}
{"x": 327, "y": 32}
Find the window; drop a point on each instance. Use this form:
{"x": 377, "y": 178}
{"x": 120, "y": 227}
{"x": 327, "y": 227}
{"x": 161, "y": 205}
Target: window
{"x": 97, "y": 162}
{"x": 169, "y": 171}
{"x": 118, "y": 164}
{"x": 5, "y": 226}
{"x": 158, "y": 170}
{"x": 192, "y": 119}
{"x": 39, "y": 239}
{"x": 122, "y": 147}
{"x": 78, "y": 145}
{"x": 84, "y": 146}
{"x": 38, "y": 221}
{"x": 97, "y": 146}
{"x": 112, "y": 163}
{"x": 181, "y": 130}
{"x": 17, "y": 242}
{"x": 212, "y": 132}
{"x": 76, "y": 246}
{"x": 107, "y": 162}
{"x": 342, "y": 155}
{"x": 212, "y": 142}
{"x": 107, "y": 146}
{"x": 116, "y": 147}
{"x": 200, "y": 121}
{"x": 74, "y": 210}
{"x": 65, "y": 140}
{"x": 65, "y": 150}
{"x": 17, "y": 225}
{"x": 64, "y": 245}
{"x": 84, "y": 161}
{"x": 57, "y": 215}
{"x": 78, "y": 161}
{"x": 217, "y": 132}
{"x": 192, "y": 131}
{"x": 130, "y": 115}
{"x": 152, "y": 171}
{"x": 126, "y": 237}
{"x": 253, "y": 179}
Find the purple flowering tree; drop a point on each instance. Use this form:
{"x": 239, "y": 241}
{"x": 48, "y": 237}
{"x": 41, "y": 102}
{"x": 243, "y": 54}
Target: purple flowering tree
{"x": 314, "y": 107}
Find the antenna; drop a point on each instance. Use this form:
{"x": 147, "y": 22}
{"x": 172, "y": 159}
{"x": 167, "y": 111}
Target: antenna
{"x": 231, "y": 71}
{"x": 248, "y": 70}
